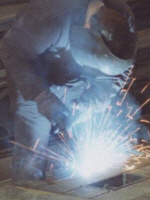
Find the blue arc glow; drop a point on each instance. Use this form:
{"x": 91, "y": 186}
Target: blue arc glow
{"x": 97, "y": 146}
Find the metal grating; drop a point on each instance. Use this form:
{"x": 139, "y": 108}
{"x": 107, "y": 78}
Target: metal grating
{"x": 119, "y": 181}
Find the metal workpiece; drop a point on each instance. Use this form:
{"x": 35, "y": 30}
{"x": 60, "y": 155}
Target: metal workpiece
{"x": 116, "y": 185}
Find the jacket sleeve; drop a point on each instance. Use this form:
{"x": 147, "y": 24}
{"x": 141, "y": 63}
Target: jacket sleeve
{"x": 24, "y": 76}
{"x": 122, "y": 7}
{"x": 33, "y": 34}
{"x": 28, "y": 38}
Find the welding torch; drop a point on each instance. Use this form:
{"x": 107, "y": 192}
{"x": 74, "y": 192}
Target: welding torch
{"x": 93, "y": 74}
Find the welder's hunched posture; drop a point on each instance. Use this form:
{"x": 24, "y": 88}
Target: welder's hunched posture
{"x": 41, "y": 95}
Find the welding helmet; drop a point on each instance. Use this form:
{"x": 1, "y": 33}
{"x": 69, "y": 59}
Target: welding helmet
{"x": 107, "y": 46}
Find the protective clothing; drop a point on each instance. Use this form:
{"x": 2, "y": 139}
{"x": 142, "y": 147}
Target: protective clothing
{"x": 109, "y": 47}
{"x": 115, "y": 31}
{"x": 89, "y": 49}
{"x": 33, "y": 127}
{"x": 65, "y": 70}
{"x": 124, "y": 9}
{"x": 43, "y": 26}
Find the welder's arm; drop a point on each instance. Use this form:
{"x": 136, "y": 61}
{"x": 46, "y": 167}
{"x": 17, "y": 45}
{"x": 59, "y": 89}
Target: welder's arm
{"x": 48, "y": 103}
{"x": 67, "y": 68}
{"x": 32, "y": 87}
{"x": 70, "y": 69}
{"x": 122, "y": 7}
{"x": 25, "y": 78}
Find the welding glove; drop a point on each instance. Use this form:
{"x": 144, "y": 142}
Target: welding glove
{"x": 66, "y": 69}
{"x": 54, "y": 110}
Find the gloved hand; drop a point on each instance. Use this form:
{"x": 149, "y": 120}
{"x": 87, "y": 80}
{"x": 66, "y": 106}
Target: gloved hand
{"x": 66, "y": 69}
{"x": 54, "y": 110}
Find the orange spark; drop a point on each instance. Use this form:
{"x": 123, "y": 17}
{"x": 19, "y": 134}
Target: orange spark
{"x": 130, "y": 167}
{"x": 123, "y": 90}
{"x": 65, "y": 93}
{"x": 144, "y": 121}
{"x": 120, "y": 103}
{"x": 147, "y": 101}
{"x": 36, "y": 144}
{"x": 119, "y": 113}
{"x": 134, "y": 131}
{"x": 129, "y": 117}
{"x": 127, "y": 78}
{"x": 145, "y": 87}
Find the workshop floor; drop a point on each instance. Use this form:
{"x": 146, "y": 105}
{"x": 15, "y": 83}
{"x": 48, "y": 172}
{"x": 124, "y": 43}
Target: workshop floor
{"x": 135, "y": 185}
{"x": 137, "y": 188}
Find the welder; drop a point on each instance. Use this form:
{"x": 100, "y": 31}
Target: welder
{"x": 42, "y": 95}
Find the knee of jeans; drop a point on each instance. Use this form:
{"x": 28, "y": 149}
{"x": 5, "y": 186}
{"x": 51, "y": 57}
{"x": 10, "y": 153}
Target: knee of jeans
{"x": 32, "y": 135}
{"x": 27, "y": 109}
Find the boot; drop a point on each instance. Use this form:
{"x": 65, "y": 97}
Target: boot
{"x": 27, "y": 166}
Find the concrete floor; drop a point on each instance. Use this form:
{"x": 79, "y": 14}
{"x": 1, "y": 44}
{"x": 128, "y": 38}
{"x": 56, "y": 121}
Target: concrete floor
{"x": 5, "y": 169}
{"x": 76, "y": 188}
{"x": 15, "y": 193}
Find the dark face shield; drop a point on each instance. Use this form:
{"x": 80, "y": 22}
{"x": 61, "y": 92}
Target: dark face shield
{"x": 89, "y": 49}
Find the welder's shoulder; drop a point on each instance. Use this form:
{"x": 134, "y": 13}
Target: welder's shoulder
{"x": 52, "y": 8}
